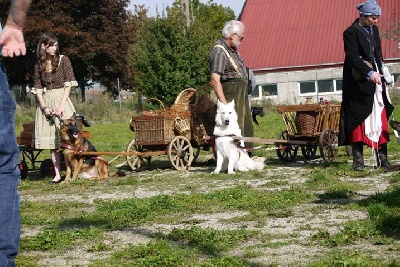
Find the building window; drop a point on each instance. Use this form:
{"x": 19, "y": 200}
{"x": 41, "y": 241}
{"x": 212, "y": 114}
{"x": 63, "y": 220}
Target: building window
{"x": 256, "y": 92}
{"x": 269, "y": 89}
{"x": 307, "y": 87}
{"x": 325, "y": 86}
{"x": 338, "y": 85}
{"x": 321, "y": 86}
{"x": 265, "y": 90}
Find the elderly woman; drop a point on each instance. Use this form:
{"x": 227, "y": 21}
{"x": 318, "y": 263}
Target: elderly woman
{"x": 365, "y": 107}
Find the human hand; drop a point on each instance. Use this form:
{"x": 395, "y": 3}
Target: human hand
{"x": 60, "y": 111}
{"x": 12, "y": 40}
{"x": 47, "y": 111}
{"x": 376, "y": 78}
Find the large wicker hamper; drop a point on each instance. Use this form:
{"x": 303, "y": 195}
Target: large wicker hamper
{"x": 156, "y": 130}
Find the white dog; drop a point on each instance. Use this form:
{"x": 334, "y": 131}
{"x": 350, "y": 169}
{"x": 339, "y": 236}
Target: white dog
{"x": 229, "y": 156}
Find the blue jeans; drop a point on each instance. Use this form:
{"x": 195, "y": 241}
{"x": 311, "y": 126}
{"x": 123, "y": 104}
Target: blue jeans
{"x": 9, "y": 176}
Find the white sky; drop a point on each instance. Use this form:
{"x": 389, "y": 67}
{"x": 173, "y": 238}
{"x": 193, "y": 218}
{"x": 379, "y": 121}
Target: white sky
{"x": 235, "y": 5}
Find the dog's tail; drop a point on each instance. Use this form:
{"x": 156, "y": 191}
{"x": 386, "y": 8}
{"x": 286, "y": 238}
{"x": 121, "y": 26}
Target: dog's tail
{"x": 258, "y": 162}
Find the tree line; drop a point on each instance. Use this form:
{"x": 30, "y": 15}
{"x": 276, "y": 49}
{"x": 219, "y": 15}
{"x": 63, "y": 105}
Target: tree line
{"x": 155, "y": 56}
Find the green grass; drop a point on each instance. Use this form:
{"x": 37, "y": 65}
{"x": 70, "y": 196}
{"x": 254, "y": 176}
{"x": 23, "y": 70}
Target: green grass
{"x": 339, "y": 258}
{"x": 163, "y": 252}
{"x": 54, "y": 239}
{"x": 174, "y": 218}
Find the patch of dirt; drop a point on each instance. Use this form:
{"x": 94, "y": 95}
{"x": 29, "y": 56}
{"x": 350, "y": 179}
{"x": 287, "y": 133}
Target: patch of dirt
{"x": 290, "y": 242}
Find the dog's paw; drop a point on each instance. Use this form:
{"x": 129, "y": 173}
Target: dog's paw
{"x": 231, "y": 172}
{"x": 214, "y": 172}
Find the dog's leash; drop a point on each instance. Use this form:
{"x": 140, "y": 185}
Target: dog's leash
{"x": 71, "y": 147}
{"x": 52, "y": 118}
{"x": 78, "y": 150}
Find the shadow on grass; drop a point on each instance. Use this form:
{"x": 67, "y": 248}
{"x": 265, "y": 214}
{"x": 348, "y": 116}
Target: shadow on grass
{"x": 83, "y": 223}
{"x": 383, "y": 208}
{"x": 338, "y": 197}
{"x": 384, "y": 211}
{"x": 205, "y": 243}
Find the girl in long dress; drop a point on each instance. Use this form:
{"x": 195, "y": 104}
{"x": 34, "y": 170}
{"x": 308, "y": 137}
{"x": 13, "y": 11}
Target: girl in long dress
{"x": 53, "y": 80}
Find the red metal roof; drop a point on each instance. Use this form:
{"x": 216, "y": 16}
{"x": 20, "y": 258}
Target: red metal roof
{"x": 301, "y": 33}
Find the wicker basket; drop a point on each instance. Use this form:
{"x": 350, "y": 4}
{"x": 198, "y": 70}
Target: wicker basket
{"x": 198, "y": 131}
{"x": 185, "y": 100}
{"x": 153, "y": 112}
{"x": 182, "y": 126}
{"x": 305, "y": 122}
{"x": 155, "y": 130}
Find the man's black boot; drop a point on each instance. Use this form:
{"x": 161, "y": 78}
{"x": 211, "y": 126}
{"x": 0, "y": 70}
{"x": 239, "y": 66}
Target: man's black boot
{"x": 382, "y": 157}
{"x": 358, "y": 156}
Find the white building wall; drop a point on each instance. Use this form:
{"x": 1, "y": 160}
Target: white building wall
{"x": 288, "y": 84}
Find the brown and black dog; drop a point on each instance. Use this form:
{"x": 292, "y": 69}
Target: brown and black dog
{"x": 72, "y": 143}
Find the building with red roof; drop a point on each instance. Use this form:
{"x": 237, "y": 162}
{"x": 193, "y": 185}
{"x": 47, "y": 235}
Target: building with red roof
{"x": 295, "y": 47}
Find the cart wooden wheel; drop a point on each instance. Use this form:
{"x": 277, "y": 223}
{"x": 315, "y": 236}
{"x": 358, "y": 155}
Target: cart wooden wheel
{"x": 328, "y": 145}
{"x": 180, "y": 153}
{"x": 309, "y": 151}
{"x": 286, "y": 152}
{"x": 136, "y": 162}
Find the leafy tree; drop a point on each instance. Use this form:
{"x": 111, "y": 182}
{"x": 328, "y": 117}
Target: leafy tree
{"x": 95, "y": 35}
{"x": 167, "y": 57}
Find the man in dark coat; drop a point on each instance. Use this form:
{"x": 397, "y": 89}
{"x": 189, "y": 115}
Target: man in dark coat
{"x": 361, "y": 87}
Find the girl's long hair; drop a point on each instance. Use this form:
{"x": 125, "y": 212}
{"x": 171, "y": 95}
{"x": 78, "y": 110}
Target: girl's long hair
{"x": 47, "y": 39}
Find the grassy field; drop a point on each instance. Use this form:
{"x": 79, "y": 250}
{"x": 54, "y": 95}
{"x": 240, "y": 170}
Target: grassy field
{"x": 304, "y": 213}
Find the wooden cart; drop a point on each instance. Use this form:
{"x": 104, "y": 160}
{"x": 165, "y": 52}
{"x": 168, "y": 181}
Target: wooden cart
{"x": 315, "y": 124}
{"x": 179, "y": 132}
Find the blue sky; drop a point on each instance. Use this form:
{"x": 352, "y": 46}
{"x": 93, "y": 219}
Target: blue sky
{"x": 235, "y": 5}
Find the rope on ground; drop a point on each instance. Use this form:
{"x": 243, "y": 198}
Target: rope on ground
{"x": 281, "y": 147}
{"x": 119, "y": 165}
